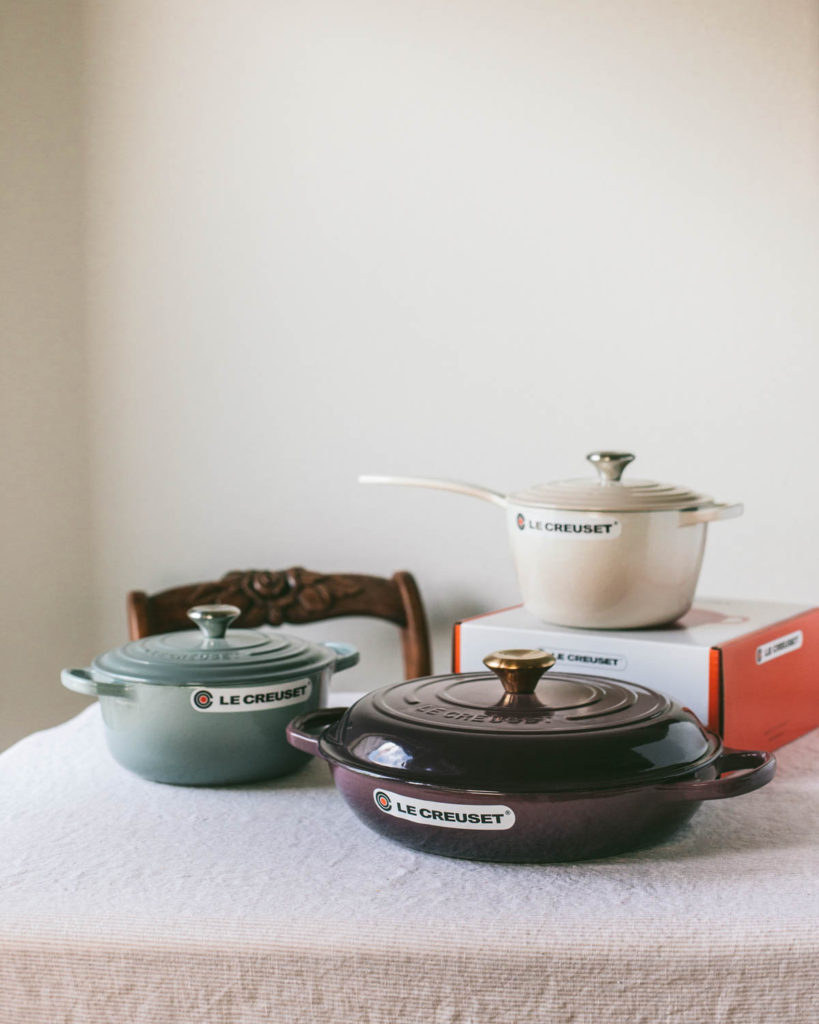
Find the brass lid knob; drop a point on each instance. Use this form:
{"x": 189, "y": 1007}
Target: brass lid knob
{"x": 519, "y": 670}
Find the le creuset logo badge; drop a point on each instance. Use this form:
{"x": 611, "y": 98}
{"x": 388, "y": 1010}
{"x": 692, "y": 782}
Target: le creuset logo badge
{"x": 776, "y": 648}
{"x": 589, "y": 660}
{"x": 488, "y": 817}
{"x": 570, "y": 524}
{"x": 252, "y": 698}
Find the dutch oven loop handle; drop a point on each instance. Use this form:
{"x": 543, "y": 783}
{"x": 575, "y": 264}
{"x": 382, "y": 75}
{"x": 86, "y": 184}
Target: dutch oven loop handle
{"x": 750, "y": 770}
{"x": 346, "y": 654}
{"x": 711, "y": 513}
{"x": 80, "y": 680}
{"x": 304, "y": 731}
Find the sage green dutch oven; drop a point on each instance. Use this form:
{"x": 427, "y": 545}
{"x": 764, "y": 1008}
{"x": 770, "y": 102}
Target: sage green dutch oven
{"x": 209, "y": 707}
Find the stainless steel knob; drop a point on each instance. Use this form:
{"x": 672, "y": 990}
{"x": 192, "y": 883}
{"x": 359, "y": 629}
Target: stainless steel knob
{"x": 214, "y": 619}
{"x": 610, "y": 465}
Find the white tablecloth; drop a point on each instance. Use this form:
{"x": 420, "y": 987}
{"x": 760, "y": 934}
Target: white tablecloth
{"x": 126, "y": 901}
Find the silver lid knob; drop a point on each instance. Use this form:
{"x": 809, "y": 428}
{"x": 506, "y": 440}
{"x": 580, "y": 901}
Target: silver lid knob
{"x": 610, "y": 465}
{"x": 214, "y": 619}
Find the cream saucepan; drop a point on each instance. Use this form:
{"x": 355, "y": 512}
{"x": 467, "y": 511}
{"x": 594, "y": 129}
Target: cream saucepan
{"x": 605, "y": 553}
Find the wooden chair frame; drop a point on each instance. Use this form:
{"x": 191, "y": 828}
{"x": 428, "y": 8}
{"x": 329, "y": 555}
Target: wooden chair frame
{"x": 294, "y": 595}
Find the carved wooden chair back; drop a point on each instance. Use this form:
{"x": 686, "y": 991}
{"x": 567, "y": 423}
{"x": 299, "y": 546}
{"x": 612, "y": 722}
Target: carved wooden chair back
{"x": 294, "y": 595}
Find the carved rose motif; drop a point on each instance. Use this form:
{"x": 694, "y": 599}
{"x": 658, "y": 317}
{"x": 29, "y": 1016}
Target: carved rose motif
{"x": 294, "y": 595}
{"x": 261, "y": 584}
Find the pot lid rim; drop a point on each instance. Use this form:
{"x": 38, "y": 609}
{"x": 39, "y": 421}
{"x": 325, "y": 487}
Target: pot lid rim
{"x": 335, "y": 755}
{"x": 186, "y": 657}
{"x": 240, "y": 680}
{"x": 625, "y": 497}
{"x": 377, "y": 698}
{"x": 608, "y": 492}
{"x": 567, "y": 732}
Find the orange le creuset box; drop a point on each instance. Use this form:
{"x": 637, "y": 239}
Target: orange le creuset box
{"x": 748, "y": 669}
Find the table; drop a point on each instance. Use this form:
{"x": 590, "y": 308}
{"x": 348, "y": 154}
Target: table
{"x": 130, "y": 902}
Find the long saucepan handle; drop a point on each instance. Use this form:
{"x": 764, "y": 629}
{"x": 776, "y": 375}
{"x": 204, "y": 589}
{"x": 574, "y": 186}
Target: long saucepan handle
{"x": 749, "y": 770}
{"x": 456, "y": 486}
{"x": 304, "y": 731}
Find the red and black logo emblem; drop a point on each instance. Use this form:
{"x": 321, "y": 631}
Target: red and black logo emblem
{"x": 383, "y": 800}
{"x": 202, "y": 699}
{"x": 521, "y": 521}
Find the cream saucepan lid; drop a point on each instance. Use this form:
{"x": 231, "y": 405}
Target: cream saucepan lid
{"x": 609, "y": 493}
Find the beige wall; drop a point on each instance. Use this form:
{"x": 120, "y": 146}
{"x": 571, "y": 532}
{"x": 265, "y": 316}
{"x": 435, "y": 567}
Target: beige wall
{"x": 44, "y": 503}
{"x": 461, "y": 239}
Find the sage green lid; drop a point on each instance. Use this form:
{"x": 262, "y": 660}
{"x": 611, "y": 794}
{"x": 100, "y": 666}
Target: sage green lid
{"x": 214, "y": 655}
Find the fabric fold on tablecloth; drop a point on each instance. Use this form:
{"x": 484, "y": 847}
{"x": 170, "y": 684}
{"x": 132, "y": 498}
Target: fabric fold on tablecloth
{"x": 131, "y": 900}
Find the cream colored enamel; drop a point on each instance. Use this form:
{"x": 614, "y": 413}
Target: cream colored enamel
{"x": 644, "y": 575}
{"x": 584, "y": 560}
{"x": 711, "y": 513}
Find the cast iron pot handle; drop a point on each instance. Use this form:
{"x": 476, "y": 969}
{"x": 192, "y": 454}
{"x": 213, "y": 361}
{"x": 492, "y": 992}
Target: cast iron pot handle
{"x": 752, "y": 768}
{"x": 304, "y": 732}
{"x": 346, "y": 655}
{"x": 81, "y": 681}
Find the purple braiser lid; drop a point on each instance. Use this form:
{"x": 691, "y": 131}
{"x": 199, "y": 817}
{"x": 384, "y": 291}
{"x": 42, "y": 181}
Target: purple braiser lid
{"x": 521, "y": 734}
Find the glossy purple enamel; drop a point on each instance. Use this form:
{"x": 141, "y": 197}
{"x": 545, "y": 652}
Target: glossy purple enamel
{"x": 566, "y": 769}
